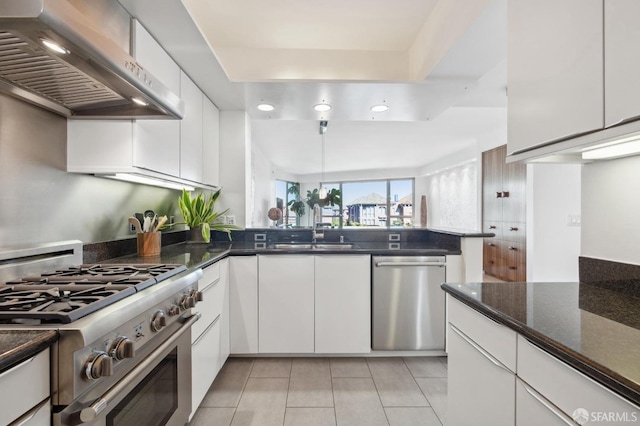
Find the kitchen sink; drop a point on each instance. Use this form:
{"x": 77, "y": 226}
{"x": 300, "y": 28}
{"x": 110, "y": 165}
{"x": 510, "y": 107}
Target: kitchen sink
{"x": 313, "y": 246}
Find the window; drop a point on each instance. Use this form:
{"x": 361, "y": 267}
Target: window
{"x": 286, "y": 192}
{"x": 379, "y": 203}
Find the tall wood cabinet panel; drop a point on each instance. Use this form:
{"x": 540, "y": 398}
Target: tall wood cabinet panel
{"x": 504, "y": 214}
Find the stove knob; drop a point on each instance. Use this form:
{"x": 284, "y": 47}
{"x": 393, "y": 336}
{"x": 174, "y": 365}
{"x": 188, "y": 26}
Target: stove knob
{"x": 122, "y": 348}
{"x": 197, "y": 295}
{"x": 174, "y": 310}
{"x": 158, "y": 321}
{"x": 187, "y": 302}
{"x": 99, "y": 365}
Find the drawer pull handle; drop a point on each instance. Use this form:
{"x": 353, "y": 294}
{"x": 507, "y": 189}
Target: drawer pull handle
{"x": 513, "y": 229}
{"x": 492, "y": 227}
{"x": 512, "y": 248}
{"x": 505, "y": 194}
{"x": 513, "y": 268}
{"x": 498, "y": 194}
{"x": 555, "y": 411}
{"x": 479, "y": 349}
{"x": 491, "y": 244}
{"x": 491, "y": 262}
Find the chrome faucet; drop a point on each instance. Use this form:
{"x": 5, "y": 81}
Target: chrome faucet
{"x": 317, "y": 217}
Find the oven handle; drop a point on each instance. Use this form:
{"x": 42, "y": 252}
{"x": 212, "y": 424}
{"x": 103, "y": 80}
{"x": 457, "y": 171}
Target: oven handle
{"x": 90, "y": 413}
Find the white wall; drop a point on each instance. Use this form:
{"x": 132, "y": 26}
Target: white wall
{"x": 553, "y": 247}
{"x": 235, "y": 166}
{"x": 263, "y": 188}
{"x": 611, "y": 210}
{"x": 40, "y": 202}
{"x": 452, "y": 197}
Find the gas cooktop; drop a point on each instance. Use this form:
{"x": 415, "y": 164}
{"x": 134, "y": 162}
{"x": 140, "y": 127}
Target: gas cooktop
{"x": 64, "y": 295}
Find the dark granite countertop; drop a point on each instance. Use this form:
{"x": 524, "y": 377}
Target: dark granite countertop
{"x": 19, "y": 345}
{"x": 593, "y": 329}
{"x": 197, "y": 255}
{"x": 463, "y": 233}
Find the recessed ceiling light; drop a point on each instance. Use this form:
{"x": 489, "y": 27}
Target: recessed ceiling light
{"x": 54, "y": 46}
{"x": 322, "y": 107}
{"x": 266, "y": 107}
{"x": 379, "y": 108}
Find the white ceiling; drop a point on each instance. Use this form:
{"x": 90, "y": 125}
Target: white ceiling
{"x": 439, "y": 65}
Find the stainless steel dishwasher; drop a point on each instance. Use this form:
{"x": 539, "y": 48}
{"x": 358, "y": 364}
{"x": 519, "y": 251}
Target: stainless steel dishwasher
{"x": 408, "y": 303}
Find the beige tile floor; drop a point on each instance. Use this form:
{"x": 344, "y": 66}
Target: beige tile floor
{"x": 327, "y": 391}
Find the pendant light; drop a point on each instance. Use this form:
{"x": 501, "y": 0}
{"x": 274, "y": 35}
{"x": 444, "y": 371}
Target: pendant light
{"x": 323, "y": 129}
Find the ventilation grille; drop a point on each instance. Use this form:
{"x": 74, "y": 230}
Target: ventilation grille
{"x": 25, "y": 64}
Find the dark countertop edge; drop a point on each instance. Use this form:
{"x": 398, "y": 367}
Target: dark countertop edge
{"x": 377, "y": 252}
{"x": 18, "y": 354}
{"x": 606, "y": 377}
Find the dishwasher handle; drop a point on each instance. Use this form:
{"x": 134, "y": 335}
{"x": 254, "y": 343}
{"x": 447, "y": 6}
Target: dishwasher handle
{"x": 409, "y": 263}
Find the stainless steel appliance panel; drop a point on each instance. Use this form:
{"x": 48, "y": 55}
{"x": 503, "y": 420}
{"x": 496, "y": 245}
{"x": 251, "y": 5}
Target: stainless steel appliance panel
{"x": 408, "y": 306}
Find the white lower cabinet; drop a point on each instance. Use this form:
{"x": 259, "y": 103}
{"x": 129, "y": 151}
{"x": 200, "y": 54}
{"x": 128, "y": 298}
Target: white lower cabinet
{"x": 484, "y": 390}
{"x": 25, "y": 391}
{"x": 481, "y": 390}
{"x": 243, "y": 304}
{"x": 533, "y": 409}
{"x": 208, "y": 341}
{"x": 205, "y": 363}
{"x": 342, "y": 304}
{"x": 568, "y": 389}
{"x": 286, "y": 306}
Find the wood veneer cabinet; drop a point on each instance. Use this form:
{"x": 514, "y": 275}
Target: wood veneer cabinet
{"x": 503, "y": 213}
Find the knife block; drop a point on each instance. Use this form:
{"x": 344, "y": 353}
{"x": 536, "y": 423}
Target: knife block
{"x": 148, "y": 244}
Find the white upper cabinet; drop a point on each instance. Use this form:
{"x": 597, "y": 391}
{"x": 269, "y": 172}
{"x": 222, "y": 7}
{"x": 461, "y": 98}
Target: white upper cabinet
{"x": 157, "y": 144}
{"x": 191, "y": 130}
{"x": 210, "y": 143}
{"x": 555, "y": 71}
{"x": 622, "y": 60}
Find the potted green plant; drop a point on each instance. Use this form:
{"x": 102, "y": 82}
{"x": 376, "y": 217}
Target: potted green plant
{"x": 200, "y": 217}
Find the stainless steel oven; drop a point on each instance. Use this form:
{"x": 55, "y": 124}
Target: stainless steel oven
{"x": 157, "y": 391}
{"x": 123, "y": 356}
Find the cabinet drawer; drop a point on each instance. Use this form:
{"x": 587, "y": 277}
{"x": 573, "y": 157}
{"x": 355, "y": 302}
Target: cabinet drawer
{"x": 515, "y": 261}
{"x": 212, "y": 289}
{"x": 24, "y": 386}
{"x": 494, "y": 227}
{"x": 514, "y": 232}
{"x": 495, "y": 338}
{"x": 39, "y": 416}
{"x": 205, "y": 362}
{"x": 565, "y": 387}
{"x": 533, "y": 409}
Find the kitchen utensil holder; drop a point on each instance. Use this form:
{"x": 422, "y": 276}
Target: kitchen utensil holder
{"x": 149, "y": 244}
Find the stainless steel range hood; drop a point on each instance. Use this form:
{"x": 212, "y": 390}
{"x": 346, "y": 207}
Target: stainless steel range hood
{"x": 90, "y": 77}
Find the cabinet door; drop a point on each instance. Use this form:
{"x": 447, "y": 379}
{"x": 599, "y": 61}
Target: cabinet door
{"x": 205, "y": 363}
{"x": 224, "y": 318}
{"x": 514, "y": 192}
{"x": 492, "y": 165}
{"x": 210, "y": 143}
{"x": 555, "y": 71}
{"x": 622, "y": 60}
{"x": 243, "y": 304}
{"x": 533, "y": 409}
{"x": 481, "y": 391}
{"x": 286, "y": 306}
{"x": 342, "y": 304}
{"x": 191, "y": 130}
{"x": 157, "y": 142}
{"x": 24, "y": 386}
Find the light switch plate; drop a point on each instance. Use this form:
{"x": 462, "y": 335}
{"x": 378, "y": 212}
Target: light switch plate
{"x": 574, "y": 220}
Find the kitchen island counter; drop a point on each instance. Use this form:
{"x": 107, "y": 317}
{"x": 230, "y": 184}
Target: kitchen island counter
{"x": 19, "y": 345}
{"x": 593, "y": 329}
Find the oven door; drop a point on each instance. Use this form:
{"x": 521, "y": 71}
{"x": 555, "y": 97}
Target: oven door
{"x": 157, "y": 391}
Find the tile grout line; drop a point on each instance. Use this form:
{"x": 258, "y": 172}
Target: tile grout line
{"x": 421, "y": 391}
{"x": 377, "y": 392}
{"x": 244, "y": 386}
